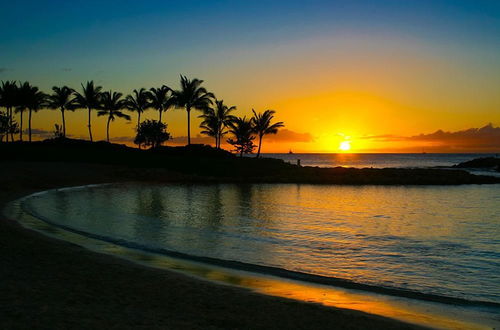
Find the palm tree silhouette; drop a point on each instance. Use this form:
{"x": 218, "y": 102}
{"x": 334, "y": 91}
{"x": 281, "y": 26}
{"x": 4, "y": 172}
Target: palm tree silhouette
{"x": 262, "y": 125}
{"x": 8, "y": 99}
{"x": 138, "y": 102}
{"x": 89, "y": 99}
{"x": 111, "y": 106}
{"x": 160, "y": 100}
{"x": 192, "y": 96}
{"x": 210, "y": 125}
{"x": 21, "y": 104}
{"x": 216, "y": 119}
{"x": 34, "y": 101}
{"x": 62, "y": 99}
{"x": 242, "y": 130}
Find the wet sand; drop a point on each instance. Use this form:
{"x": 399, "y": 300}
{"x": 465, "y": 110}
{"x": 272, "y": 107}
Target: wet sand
{"x": 46, "y": 283}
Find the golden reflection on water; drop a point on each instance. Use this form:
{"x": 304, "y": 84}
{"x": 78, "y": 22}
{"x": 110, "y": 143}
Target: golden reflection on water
{"x": 423, "y": 313}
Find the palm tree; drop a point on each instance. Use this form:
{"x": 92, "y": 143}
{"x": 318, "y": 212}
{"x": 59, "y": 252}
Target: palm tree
{"x": 111, "y": 106}
{"x": 160, "y": 100}
{"x": 242, "y": 130}
{"x": 35, "y": 100}
{"x": 217, "y": 119}
{"x": 89, "y": 99}
{"x": 8, "y": 98}
{"x": 192, "y": 96}
{"x": 62, "y": 100}
{"x": 138, "y": 102}
{"x": 262, "y": 125}
{"x": 22, "y": 94}
{"x": 210, "y": 125}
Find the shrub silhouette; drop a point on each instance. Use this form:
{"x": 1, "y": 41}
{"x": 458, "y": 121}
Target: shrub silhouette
{"x": 151, "y": 133}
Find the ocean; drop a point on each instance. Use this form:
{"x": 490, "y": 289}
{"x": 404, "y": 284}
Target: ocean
{"x": 377, "y": 160}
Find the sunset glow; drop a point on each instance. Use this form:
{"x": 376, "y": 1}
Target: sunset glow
{"x": 403, "y": 70}
{"x": 345, "y": 146}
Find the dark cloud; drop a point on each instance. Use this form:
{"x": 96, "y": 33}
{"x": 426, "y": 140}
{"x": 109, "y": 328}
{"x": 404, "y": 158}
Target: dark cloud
{"x": 122, "y": 139}
{"x": 286, "y": 135}
{"x": 41, "y": 133}
{"x": 198, "y": 139}
{"x": 2, "y": 70}
{"x": 486, "y": 138}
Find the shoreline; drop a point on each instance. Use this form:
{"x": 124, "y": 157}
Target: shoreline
{"x": 249, "y": 267}
{"x": 57, "y": 284}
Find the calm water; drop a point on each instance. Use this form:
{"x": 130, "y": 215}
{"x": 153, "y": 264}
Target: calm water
{"x": 378, "y": 160}
{"x": 439, "y": 240}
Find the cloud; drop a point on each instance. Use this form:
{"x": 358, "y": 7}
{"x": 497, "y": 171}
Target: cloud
{"x": 486, "y": 138}
{"x": 122, "y": 139}
{"x": 283, "y": 135}
{"x": 44, "y": 134}
{"x": 67, "y": 69}
{"x": 2, "y": 70}
{"x": 198, "y": 139}
{"x": 286, "y": 135}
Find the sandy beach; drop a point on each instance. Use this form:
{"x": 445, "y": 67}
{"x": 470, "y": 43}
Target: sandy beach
{"x": 47, "y": 283}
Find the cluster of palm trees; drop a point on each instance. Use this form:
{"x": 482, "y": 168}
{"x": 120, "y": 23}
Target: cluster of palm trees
{"x": 217, "y": 117}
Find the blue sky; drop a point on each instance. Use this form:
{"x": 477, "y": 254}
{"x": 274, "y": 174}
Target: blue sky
{"x": 427, "y": 65}
{"x": 38, "y": 37}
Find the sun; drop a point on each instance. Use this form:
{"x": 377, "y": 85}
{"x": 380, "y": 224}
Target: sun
{"x": 345, "y": 145}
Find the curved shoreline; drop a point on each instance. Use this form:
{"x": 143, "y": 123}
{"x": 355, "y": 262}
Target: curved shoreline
{"x": 57, "y": 284}
{"x": 255, "y": 268}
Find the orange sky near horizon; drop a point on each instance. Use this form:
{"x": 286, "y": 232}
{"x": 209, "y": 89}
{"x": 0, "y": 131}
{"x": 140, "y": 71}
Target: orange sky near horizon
{"x": 329, "y": 90}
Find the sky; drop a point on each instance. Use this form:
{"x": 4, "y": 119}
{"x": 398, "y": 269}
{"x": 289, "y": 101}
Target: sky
{"x": 385, "y": 76}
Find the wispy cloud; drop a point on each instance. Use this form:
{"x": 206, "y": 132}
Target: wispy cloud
{"x": 286, "y": 135}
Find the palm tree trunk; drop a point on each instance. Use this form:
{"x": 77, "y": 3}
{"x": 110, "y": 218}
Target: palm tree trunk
{"x": 10, "y": 125}
{"x": 21, "y": 125}
{"x": 260, "y": 144}
{"x": 63, "y": 122}
{"x": 161, "y": 111}
{"x": 89, "y": 125}
{"x": 107, "y": 129}
{"x": 189, "y": 125}
{"x": 29, "y": 125}
{"x": 138, "y": 119}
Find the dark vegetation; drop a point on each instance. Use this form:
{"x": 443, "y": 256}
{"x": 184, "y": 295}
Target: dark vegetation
{"x": 218, "y": 119}
{"x": 201, "y": 163}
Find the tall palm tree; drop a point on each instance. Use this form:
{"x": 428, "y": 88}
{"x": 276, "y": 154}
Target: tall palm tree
{"x": 262, "y": 125}
{"x": 8, "y": 99}
{"x": 89, "y": 99}
{"x": 62, "y": 99}
{"x": 242, "y": 131}
{"x": 192, "y": 96}
{"x": 111, "y": 106}
{"x": 22, "y": 94}
{"x": 217, "y": 118}
{"x": 160, "y": 99}
{"x": 35, "y": 100}
{"x": 138, "y": 102}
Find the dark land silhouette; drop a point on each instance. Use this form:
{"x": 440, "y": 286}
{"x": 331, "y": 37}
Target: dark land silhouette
{"x": 202, "y": 163}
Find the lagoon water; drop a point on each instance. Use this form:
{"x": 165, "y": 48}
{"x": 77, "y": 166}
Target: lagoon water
{"x": 434, "y": 240}
{"x": 378, "y": 160}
